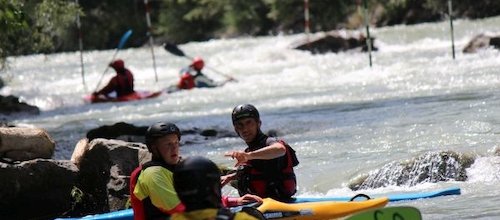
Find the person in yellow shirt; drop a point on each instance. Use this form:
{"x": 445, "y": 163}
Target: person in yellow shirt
{"x": 197, "y": 181}
{"x": 152, "y": 192}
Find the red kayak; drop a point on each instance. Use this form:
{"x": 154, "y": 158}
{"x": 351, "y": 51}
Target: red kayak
{"x": 138, "y": 95}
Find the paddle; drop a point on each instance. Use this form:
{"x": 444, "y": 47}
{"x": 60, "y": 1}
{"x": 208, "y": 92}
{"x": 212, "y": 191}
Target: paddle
{"x": 123, "y": 40}
{"x": 389, "y": 213}
{"x": 173, "y": 49}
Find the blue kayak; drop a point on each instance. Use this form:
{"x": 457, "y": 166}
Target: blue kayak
{"x": 128, "y": 214}
{"x": 392, "y": 198}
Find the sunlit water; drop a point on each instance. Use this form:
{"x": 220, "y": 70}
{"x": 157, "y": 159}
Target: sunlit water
{"x": 343, "y": 118}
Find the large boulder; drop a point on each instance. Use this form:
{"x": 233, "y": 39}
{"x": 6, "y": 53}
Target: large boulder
{"x": 20, "y": 144}
{"x": 37, "y": 189}
{"x": 482, "y": 41}
{"x": 430, "y": 167}
{"x": 105, "y": 168}
{"x": 10, "y": 105}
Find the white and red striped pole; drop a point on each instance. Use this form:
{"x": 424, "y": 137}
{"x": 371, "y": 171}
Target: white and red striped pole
{"x": 80, "y": 44}
{"x": 306, "y": 19}
{"x": 150, "y": 33}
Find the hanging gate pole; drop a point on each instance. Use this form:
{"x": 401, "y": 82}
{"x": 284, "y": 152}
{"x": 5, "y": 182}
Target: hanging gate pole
{"x": 80, "y": 44}
{"x": 368, "y": 38}
{"x": 451, "y": 28}
{"x": 150, "y": 33}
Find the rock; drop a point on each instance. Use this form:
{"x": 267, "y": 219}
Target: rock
{"x": 431, "y": 167}
{"x": 10, "y": 105}
{"x": 132, "y": 133}
{"x": 105, "y": 169}
{"x": 120, "y": 131}
{"x": 22, "y": 144}
{"x": 482, "y": 41}
{"x": 37, "y": 189}
{"x": 335, "y": 41}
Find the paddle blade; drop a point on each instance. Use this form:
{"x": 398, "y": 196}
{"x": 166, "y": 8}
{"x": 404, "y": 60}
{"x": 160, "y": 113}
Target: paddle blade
{"x": 389, "y": 213}
{"x": 173, "y": 49}
{"x": 124, "y": 39}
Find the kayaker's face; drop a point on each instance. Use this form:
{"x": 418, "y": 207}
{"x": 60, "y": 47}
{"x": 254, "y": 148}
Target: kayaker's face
{"x": 247, "y": 128}
{"x": 167, "y": 148}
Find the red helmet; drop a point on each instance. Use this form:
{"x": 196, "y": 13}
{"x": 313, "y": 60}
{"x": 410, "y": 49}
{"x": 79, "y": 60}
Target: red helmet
{"x": 117, "y": 64}
{"x": 198, "y": 63}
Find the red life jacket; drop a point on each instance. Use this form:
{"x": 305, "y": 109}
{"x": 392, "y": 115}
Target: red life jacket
{"x": 186, "y": 81}
{"x": 124, "y": 83}
{"x": 145, "y": 209}
{"x": 273, "y": 178}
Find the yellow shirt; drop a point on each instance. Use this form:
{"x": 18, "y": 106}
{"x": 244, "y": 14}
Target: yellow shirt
{"x": 157, "y": 183}
{"x": 208, "y": 214}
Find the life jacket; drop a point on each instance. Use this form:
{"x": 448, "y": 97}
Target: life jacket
{"x": 145, "y": 209}
{"x": 273, "y": 178}
{"x": 187, "y": 80}
{"x": 124, "y": 83}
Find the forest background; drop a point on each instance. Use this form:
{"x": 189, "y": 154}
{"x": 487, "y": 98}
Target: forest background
{"x": 49, "y": 26}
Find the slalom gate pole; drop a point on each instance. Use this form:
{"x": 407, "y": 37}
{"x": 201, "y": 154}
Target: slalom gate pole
{"x": 306, "y": 20}
{"x": 450, "y": 12}
{"x": 368, "y": 38}
{"x": 80, "y": 44}
{"x": 150, "y": 33}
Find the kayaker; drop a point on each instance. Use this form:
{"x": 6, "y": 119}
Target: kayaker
{"x": 266, "y": 165}
{"x": 122, "y": 83}
{"x": 191, "y": 77}
{"x": 197, "y": 183}
{"x": 152, "y": 192}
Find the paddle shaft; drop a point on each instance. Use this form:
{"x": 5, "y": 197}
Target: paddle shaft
{"x": 122, "y": 42}
{"x": 106, "y": 70}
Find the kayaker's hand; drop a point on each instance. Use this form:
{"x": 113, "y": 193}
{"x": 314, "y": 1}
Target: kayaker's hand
{"x": 249, "y": 198}
{"x": 241, "y": 157}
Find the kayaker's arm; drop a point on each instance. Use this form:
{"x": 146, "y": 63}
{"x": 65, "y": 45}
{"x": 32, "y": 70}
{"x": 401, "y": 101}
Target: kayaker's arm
{"x": 266, "y": 153}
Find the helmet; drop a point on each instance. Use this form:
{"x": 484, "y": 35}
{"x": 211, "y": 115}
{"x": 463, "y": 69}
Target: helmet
{"x": 161, "y": 129}
{"x": 198, "y": 63}
{"x": 245, "y": 111}
{"x": 197, "y": 183}
{"x": 117, "y": 64}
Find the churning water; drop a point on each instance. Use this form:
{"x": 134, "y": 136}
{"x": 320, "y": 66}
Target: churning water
{"x": 342, "y": 117}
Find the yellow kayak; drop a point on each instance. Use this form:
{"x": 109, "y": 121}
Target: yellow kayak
{"x": 273, "y": 209}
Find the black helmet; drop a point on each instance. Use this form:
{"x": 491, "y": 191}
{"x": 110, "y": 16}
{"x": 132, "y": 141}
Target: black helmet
{"x": 159, "y": 130}
{"x": 245, "y": 111}
{"x": 197, "y": 183}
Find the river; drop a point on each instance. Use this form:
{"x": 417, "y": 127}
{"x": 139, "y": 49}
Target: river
{"x": 342, "y": 117}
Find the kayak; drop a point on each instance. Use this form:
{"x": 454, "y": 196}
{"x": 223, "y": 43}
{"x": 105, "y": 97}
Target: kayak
{"x": 299, "y": 202}
{"x": 392, "y": 198}
{"x": 138, "y": 95}
{"x": 273, "y": 209}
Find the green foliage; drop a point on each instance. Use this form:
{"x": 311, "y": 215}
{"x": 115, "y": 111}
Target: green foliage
{"x": 48, "y": 26}
{"x": 33, "y": 26}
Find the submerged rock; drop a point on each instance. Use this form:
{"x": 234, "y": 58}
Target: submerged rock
{"x": 430, "y": 167}
{"x": 335, "y": 41}
{"x": 482, "y": 41}
{"x": 10, "y": 105}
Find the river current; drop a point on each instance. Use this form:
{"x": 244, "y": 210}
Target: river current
{"x": 343, "y": 118}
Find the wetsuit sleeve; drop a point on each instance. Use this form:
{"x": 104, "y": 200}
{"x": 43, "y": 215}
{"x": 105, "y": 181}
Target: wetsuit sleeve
{"x": 110, "y": 87}
{"x": 157, "y": 184}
